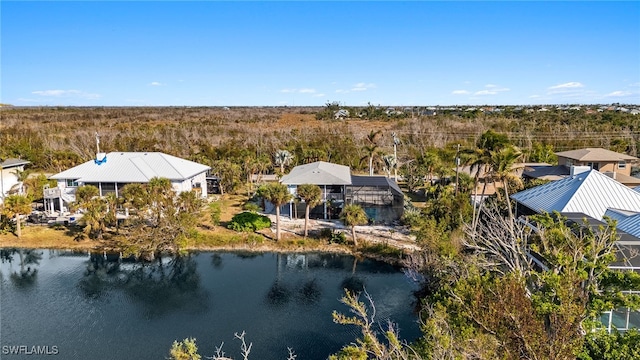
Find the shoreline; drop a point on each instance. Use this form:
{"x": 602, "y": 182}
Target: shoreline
{"x": 37, "y": 237}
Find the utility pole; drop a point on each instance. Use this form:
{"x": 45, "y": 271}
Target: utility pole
{"x": 396, "y": 141}
{"x": 457, "y": 166}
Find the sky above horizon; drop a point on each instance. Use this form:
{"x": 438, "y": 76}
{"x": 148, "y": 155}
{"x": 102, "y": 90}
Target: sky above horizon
{"x": 308, "y": 53}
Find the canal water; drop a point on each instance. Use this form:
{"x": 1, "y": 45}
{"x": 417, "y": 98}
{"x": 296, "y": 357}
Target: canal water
{"x": 69, "y": 305}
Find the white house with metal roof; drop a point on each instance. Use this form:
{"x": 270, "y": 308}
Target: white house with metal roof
{"x": 111, "y": 172}
{"x": 9, "y": 180}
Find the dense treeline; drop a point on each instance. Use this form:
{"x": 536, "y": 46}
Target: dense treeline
{"x": 55, "y": 138}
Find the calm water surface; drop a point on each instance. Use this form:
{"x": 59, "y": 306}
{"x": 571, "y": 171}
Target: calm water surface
{"x": 92, "y": 307}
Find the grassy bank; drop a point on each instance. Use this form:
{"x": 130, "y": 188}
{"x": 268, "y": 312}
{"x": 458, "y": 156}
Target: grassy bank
{"x": 45, "y": 237}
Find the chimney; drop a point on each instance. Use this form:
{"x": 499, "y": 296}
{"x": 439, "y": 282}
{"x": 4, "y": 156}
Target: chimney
{"x": 575, "y": 170}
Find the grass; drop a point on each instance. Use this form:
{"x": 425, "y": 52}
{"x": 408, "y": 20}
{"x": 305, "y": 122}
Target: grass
{"x": 45, "y": 237}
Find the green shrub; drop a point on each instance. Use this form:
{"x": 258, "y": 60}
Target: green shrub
{"x": 251, "y": 207}
{"x": 249, "y": 221}
{"x": 215, "y": 209}
{"x": 334, "y": 236}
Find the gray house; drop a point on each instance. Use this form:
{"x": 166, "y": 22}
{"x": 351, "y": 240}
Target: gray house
{"x": 379, "y": 196}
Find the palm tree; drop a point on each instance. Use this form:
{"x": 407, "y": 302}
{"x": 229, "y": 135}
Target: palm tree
{"x": 14, "y": 206}
{"x": 94, "y": 218}
{"x": 430, "y": 161}
{"x": 312, "y": 196}
{"x": 390, "y": 163}
{"x": 353, "y": 215}
{"x": 277, "y": 194}
{"x": 283, "y": 158}
{"x": 371, "y": 148}
{"x": 85, "y": 193}
{"x": 503, "y": 165}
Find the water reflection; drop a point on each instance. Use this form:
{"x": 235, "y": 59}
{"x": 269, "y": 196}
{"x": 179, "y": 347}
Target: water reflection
{"x": 216, "y": 261}
{"x": 101, "y": 306}
{"x": 28, "y": 260}
{"x": 162, "y": 286}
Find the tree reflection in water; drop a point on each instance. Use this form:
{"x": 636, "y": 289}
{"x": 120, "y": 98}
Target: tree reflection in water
{"x": 160, "y": 287}
{"x": 26, "y": 275}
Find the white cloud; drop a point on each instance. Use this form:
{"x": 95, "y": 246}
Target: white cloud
{"x": 342, "y": 91}
{"x": 318, "y": 95}
{"x": 491, "y": 90}
{"x": 485, "y": 92}
{"x": 569, "y": 85}
{"x": 618, "y": 93}
{"x": 299, "y": 91}
{"x": 534, "y": 96}
{"x": 362, "y": 87}
{"x": 155, "y": 83}
{"x": 66, "y": 93}
{"x": 459, "y": 92}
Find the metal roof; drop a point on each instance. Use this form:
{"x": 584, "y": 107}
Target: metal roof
{"x": 595, "y": 154}
{"x": 591, "y": 193}
{"x": 318, "y": 173}
{"x": 130, "y": 167}
{"x": 627, "y": 245}
{"x": 627, "y": 221}
{"x": 379, "y": 181}
{"x": 13, "y": 163}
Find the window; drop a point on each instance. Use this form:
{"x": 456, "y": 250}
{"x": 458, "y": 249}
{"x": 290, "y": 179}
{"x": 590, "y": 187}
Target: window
{"x": 594, "y": 165}
{"x": 72, "y": 183}
{"x": 622, "y": 164}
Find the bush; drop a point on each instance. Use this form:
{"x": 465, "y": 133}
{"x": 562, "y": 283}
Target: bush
{"x": 249, "y": 221}
{"x": 215, "y": 208}
{"x": 251, "y": 207}
{"x": 334, "y": 236}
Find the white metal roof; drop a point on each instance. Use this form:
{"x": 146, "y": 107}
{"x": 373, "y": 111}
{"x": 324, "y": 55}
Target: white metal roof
{"x": 318, "y": 173}
{"x": 129, "y": 167}
{"x": 590, "y": 193}
{"x": 13, "y": 163}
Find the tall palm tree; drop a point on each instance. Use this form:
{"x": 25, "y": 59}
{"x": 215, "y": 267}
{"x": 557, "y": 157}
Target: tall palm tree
{"x": 160, "y": 195}
{"x": 371, "y": 148}
{"x": 312, "y": 196}
{"x": 430, "y": 161}
{"x": 14, "y": 206}
{"x": 283, "y": 158}
{"x": 503, "y": 163}
{"x": 353, "y": 215}
{"x": 278, "y": 194}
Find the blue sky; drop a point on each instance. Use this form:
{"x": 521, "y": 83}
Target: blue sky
{"x": 244, "y": 53}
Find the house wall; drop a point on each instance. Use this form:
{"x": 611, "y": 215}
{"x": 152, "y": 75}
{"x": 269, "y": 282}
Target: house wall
{"x": 603, "y": 166}
{"x": 9, "y": 179}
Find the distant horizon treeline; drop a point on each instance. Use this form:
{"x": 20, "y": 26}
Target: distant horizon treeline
{"x": 56, "y": 138}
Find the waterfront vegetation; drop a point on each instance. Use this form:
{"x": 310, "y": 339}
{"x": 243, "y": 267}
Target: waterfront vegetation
{"x": 480, "y": 297}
